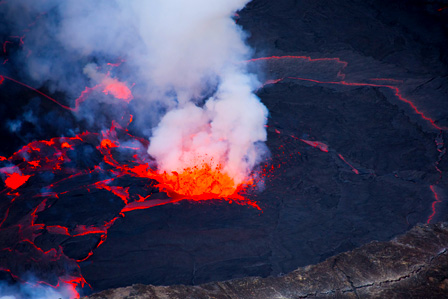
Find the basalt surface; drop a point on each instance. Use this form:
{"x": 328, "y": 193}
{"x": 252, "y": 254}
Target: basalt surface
{"x": 413, "y": 265}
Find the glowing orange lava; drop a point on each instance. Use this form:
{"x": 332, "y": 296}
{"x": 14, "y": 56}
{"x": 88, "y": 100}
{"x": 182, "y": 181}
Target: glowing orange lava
{"x": 16, "y": 180}
{"x": 204, "y": 182}
{"x": 199, "y": 181}
{"x": 118, "y": 90}
{"x": 107, "y": 143}
{"x": 65, "y": 145}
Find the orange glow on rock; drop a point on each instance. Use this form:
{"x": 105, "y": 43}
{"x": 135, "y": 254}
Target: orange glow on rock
{"x": 35, "y": 163}
{"x": 140, "y": 170}
{"x": 118, "y": 90}
{"x": 65, "y": 145}
{"x": 107, "y": 143}
{"x": 16, "y": 180}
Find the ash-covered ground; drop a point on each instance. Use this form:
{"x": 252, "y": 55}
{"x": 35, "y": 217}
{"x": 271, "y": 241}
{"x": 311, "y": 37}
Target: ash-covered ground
{"x": 357, "y": 93}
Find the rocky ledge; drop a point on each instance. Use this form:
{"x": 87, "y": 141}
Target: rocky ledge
{"x": 413, "y": 265}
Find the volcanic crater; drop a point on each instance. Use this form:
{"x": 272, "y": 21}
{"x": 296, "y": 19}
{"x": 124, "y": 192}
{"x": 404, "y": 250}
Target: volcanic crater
{"x": 356, "y": 93}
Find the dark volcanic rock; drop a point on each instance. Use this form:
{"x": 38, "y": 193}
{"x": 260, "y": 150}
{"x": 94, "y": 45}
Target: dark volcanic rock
{"x": 412, "y": 265}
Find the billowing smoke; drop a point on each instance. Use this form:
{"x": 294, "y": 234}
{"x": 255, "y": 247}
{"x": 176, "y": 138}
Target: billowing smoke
{"x": 207, "y": 49}
{"x": 224, "y": 133}
{"x": 33, "y": 290}
{"x": 183, "y": 61}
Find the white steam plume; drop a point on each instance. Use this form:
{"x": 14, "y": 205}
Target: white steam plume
{"x": 32, "y": 290}
{"x": 188, "y": 55}
{"x": 226, "y": 131}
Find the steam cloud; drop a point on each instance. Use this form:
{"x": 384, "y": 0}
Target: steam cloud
{"x": 186, "y": 59}
{"x": 32, "y": 290}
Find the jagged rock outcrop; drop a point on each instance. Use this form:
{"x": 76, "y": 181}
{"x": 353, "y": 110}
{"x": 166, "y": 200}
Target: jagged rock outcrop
{"x": 413, "y": 265}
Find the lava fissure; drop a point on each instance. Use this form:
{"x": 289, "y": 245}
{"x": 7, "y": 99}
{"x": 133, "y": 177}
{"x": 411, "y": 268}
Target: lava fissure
{"x": 200, "y": 184}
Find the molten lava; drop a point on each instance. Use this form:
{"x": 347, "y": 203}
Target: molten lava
{"x": 200, "y": 181}
{"x": 118, "y": 90}
{"x": 15, "y": 180}
{"x": 107, "y": 143}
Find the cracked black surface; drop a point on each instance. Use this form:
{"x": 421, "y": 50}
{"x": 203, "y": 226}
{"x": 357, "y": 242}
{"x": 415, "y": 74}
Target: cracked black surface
{"x": 413, "y": 265}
